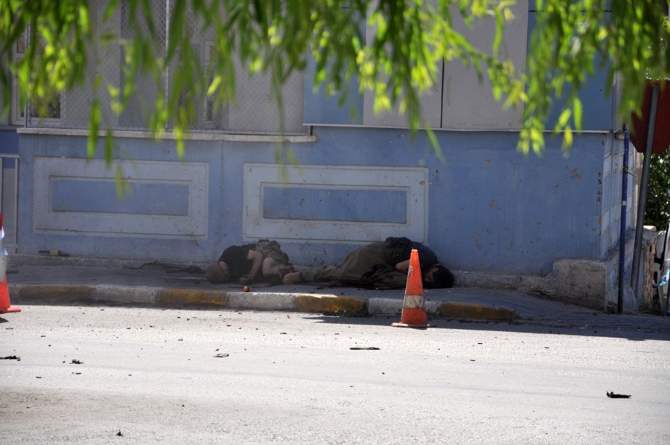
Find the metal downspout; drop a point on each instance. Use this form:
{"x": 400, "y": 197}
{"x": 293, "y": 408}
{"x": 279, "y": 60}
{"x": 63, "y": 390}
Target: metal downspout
{"x": 622, "y": 234}
{"x": 644, "y": 183}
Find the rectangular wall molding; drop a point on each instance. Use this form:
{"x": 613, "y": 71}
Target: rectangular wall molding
{"x": 335, "y": 203}
{"x": 76, "y": 196}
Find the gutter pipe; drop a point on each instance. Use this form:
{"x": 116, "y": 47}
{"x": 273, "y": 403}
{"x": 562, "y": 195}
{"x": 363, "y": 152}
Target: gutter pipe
{"x": 644, "y": 183}
{"x": 622, "y": 234}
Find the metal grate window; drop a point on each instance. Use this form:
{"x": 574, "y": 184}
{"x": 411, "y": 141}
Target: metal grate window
{"x": 254, "y": 111}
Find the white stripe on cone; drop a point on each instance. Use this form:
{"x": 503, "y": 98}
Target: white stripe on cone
{"x": 413, "y": 301}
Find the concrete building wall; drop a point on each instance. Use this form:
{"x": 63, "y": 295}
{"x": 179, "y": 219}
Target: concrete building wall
{"x": 485, "y": 208}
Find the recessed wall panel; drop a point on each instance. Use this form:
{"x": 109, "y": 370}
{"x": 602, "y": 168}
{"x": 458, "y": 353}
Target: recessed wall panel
{"x": 76, "y": 196}
{"x": 335, "y": 203}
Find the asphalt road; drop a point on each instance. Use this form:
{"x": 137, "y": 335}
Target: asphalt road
{"x": 153, "y": 376}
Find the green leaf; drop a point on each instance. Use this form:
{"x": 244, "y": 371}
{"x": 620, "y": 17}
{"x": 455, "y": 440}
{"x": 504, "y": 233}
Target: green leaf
{"x": 563, "y": 118}
{"x": 109, "y": 147}
{"x": 109, "y": 10}
{"x": 122, "y": 187}
{"x": 97, "y": 82}
{"x": 567, "y": 138}
{"x": 93, "y": 127}
{"x": 577, "y": 108}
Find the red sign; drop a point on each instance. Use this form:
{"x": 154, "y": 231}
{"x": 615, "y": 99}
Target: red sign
{"x": 661, "y": 128}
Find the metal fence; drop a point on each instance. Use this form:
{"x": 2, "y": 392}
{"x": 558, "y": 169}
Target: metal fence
{"x": 255, "y": 110}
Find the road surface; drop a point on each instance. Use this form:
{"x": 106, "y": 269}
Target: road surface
{"x": 153, "y": 376}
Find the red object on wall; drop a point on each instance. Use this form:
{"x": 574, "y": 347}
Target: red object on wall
{"x": 661, "y": 129}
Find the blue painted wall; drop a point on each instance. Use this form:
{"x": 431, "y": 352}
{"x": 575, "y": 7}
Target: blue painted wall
{"x": 329, "y": 204}
{"x": 9, "y": 142}
{"x": 490, "y": 209}
{"x": 597, "y": 105}
{"x": 101, "y": 198}
{"x": 322, "y": 109}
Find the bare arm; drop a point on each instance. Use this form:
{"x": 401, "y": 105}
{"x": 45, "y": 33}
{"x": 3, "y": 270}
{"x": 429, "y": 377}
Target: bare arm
{"x": 257, "y": 260}
{"x": 402, "y": 266}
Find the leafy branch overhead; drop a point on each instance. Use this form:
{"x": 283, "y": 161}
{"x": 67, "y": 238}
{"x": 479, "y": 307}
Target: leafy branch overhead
{"x": 398, "y": 60}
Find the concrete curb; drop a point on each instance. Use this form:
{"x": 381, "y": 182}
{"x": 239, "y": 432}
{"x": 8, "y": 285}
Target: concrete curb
{"x": 444, "y": 309}
{"x": 262, "y": 301}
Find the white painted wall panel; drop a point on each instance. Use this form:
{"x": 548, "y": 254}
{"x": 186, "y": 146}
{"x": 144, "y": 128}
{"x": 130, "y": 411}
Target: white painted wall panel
{"x": 258, "y": 176}
{"x": 192, "y": 175}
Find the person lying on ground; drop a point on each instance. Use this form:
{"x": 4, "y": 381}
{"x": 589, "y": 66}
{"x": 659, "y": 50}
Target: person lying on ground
{"x": 243, "y": 264}
{"x": 382, "y": 265}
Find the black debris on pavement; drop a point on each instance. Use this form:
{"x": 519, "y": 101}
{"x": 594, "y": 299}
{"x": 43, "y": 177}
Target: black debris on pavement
{"x": 221, "y": 355}
{"x": 611, "y": 395}
{"x": 76, "y": 362}
{"x": 119, "y": 434}
{"x": 370, "y": 348}
{"x": 11, "y": 357}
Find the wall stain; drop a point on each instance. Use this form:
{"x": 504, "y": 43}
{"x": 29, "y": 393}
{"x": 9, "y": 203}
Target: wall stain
{"x": 575, "y": 174}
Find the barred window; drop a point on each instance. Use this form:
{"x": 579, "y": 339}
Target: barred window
{"x": 43, "y": 111}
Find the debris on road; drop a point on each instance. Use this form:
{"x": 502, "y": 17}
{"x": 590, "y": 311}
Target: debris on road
{"x": 611, "y": 395}
{"x": 370, "y": 348}
{"x": 11, "y": 357}
{"x": 76, "y": 362}
{"x": 119, "y": 434}
{"x": 221, "y": 355}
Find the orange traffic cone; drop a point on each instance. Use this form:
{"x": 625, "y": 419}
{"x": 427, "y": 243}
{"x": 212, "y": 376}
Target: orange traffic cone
{"x": 5, "y": 305}
{"x": 413, "y": 308}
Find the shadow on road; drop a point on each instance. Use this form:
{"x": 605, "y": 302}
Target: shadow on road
{"x": 631, "y": 327}
{"x": 592, "y": 324}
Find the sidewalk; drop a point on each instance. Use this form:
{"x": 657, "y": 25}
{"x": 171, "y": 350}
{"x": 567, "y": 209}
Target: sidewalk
{"x": 40, "y": 279}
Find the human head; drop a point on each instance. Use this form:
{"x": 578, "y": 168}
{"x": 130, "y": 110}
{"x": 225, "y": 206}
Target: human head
{"x": 217, "y": 273}
{"x": 438, "y": 277}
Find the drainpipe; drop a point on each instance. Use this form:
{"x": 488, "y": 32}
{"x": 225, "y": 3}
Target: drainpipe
{"x": 644, "y": 182}
{"x": 622, "y": 235}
